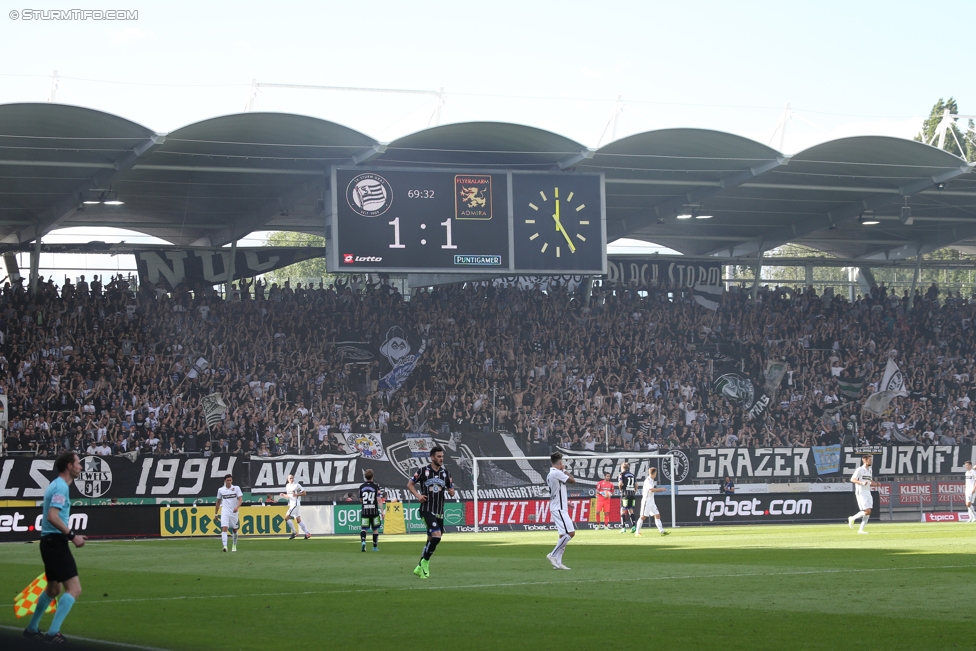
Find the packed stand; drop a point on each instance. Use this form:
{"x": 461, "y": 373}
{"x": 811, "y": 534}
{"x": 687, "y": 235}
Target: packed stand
{"x": 104, "y": 369}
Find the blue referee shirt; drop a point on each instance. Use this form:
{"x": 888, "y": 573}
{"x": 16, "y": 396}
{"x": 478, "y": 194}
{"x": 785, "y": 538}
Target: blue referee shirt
{"x": 56, "y": 496}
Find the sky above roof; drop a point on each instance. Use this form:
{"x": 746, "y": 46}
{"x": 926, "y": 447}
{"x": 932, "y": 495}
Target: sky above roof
{"x": 845, "y": 68}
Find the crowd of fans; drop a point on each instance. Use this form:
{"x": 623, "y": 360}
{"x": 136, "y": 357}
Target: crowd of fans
{"x": 107, "y": 369}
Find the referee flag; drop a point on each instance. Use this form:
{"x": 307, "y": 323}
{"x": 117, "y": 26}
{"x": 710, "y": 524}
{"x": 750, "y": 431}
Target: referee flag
{"x": 394, "y": 522}
{"x": 26, "y": 602}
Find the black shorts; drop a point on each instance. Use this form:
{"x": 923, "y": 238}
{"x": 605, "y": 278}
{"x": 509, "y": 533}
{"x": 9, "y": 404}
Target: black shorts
{"x": 59, "y": 564}
{"x": 434, "y": 523}
{"x": 628, "y": 501}
{"x": 371, "y": 521}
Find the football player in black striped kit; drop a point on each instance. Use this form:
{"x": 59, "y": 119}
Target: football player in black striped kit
{"x": 429, "y": 485}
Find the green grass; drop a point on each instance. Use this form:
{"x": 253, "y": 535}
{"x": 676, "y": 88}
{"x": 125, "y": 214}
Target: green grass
{"x": 905, "y": 586}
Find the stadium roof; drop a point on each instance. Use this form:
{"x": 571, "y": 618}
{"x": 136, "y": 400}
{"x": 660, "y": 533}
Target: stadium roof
{"x": 215, "y": 181}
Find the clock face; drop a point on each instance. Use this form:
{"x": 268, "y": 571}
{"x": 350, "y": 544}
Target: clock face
{"x": 558, "y": 222}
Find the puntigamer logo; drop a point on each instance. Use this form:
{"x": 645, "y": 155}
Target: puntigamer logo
{"x": 478, "y": 260}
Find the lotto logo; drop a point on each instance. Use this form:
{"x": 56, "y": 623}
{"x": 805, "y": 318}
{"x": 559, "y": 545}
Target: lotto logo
{"x": 349, "y": 258}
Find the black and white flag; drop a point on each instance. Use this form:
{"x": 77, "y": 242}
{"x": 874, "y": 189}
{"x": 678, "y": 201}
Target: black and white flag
{"x": 198, "y": 368}
{"x": 892, "y": 386}
{"x": 708, "y": 296}
{"x": 213, "y": 408}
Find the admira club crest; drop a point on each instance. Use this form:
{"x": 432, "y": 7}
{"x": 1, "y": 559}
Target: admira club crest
{"x": 95, "y": 478}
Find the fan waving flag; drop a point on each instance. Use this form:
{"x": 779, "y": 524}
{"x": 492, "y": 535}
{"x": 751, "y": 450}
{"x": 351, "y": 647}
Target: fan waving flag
{"x": 26, "y": 602}
{"x": 400, "y": 351}
{"x": 213, "y": 408}
{"x": 851, "y": 387}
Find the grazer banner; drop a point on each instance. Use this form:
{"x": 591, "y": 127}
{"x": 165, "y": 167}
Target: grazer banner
{"x": 154, "y": 477}
{"x": 212, "y": 266}
{"x": 801, "y": 463}
{"x": 23, "y": 524}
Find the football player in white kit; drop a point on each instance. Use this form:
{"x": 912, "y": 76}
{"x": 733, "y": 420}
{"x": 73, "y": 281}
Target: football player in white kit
{"x": 559, "y": 509}
{"x": 970, "y": 490}
{"x": 229, "y": 500}
{"x": 294, "y": 492}
{"x": 648, "y": 507}
{"x": 862, "y": 490}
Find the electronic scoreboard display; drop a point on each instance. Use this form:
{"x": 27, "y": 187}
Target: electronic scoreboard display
{"x": 457, "y": 221}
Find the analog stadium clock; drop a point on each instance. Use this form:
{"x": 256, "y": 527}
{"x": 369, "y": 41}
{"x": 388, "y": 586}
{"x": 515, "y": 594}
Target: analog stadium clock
{"x": 558, "y": 223}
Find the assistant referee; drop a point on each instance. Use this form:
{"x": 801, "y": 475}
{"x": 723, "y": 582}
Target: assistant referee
{"x": 59, "y": 564}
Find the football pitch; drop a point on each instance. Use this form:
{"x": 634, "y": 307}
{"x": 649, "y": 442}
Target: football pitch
{"x": 904, "y": 586}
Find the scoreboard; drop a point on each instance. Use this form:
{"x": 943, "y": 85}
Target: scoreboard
{"x": 463, "y": 221}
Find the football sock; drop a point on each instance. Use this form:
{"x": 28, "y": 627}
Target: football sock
{"x": 859, "y": 514}
{"x": 235, "y": 538}
{"x": 376, "y": 539}
{"x": 864, "y": 521}
{"x": 640, "y": 523}
{"x": 223, "y": 537}
{"x": 431, "y": 548}
{"x": 362, "y": 536}
{"x": 42, "y": 603}
{"x": 660, "y": 525}
{"x": 557, "y": 551}
{"x": 304, "y": 528}
{"x": 294, "y": 527}
{"x": 64, "y": 607}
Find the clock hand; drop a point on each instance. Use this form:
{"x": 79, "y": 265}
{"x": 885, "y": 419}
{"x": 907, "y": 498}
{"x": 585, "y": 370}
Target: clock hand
{"x": 559, "y": 227}
{"x": 568, "y": 241}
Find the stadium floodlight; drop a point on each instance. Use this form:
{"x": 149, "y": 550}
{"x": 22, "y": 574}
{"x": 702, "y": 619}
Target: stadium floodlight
{"x": 684, "y": 216}
{"x": 106, "y": 198}
{"x": 587, "y": 468}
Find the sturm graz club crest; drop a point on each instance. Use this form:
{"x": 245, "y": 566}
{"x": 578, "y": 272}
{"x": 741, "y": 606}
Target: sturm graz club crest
{"x": 682, "y": 466}
{"x": 736, "y": 389}
{"x": 369, "y": 195}
{"x": 95, "y": 478}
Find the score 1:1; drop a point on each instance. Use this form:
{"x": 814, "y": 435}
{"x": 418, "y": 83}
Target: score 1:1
{"x": 396, "y": 235}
